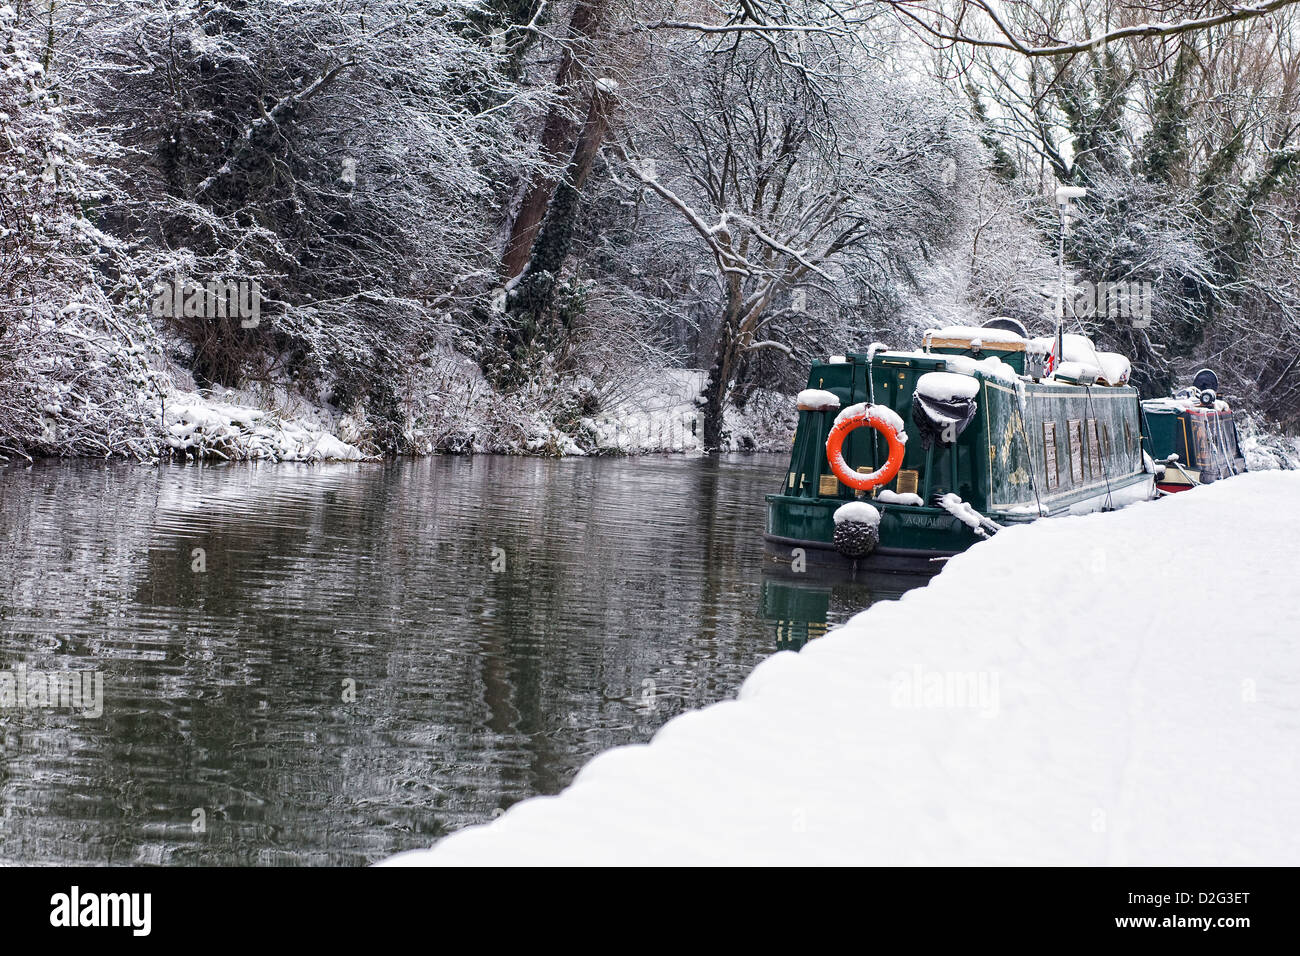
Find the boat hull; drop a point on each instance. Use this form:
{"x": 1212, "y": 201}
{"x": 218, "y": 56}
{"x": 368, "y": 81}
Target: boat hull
{"x": 821, "y": 556}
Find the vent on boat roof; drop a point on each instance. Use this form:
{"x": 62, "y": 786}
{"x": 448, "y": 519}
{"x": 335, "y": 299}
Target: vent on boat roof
{"x": 1007, "y": 324}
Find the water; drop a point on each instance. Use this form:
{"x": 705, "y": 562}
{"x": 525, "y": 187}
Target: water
{"x": 307, "y": 665}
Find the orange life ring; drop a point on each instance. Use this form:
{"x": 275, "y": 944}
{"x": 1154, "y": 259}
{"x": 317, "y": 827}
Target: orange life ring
{"x": 855, "y": 417}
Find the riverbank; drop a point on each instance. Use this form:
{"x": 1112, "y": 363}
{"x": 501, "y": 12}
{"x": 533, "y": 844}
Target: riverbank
{"x": 649, "y": 411}
{"x": 657, "y": 412}
{"x": 1031, "y": 706}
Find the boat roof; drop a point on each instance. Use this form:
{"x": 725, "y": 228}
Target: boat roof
{"x": 1171, "y": 406}
{"x": 967, "y": 337}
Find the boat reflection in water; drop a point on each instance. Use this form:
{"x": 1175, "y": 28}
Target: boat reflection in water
{"x": 798, "y": 608}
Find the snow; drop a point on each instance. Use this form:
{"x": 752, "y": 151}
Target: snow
{"x": 960, "y": 510}
{"x": 967, "y": 515}
{"x": 858, "y": 511}
{"x": 1080, "y": 359}
{"x": 1121, "y": 497}
{"x": 879, "y": 413}
{"x": 204, "y": 427}
{"x": 1115, "y": 368}
{"x": 894, "y": 498}
{"x": 658, "y": 411}
{"x": 1091, "y": 723}
{"x": 1003, "y": 336}
{"x": 945, "y": 386}
{"x": 991, "y": 367}
{"x": 1183, "y": 404}
{"x": 816, "y": 399}
{"x": 1263, "y": 448}
{"x": 1078, "y": 371}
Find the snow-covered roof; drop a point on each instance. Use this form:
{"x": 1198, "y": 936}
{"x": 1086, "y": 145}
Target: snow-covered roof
{"x": 975, "y": 337}
{"x": 1183, "y": 405}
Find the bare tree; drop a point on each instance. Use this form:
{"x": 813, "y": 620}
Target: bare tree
{"x": 795, "y": 194}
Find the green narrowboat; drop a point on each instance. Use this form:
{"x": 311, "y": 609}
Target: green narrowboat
{"x": 980, "y": 429}
{"x": 1194, "y": 432}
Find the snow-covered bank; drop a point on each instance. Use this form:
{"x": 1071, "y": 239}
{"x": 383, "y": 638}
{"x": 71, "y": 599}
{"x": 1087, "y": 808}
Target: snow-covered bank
{"x": 657, "y": 412}
{"x": 202, "y": 427}
{"x": 1264, "y": 449}
{"x": 1109, "y": 689}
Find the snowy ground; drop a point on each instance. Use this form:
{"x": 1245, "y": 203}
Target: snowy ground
{"x": 1109, "y": 689}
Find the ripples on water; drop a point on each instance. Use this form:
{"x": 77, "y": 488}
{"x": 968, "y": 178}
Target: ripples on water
{"x": 631, "y": 591}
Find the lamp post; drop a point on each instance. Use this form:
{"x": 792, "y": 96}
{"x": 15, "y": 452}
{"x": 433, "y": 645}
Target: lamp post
{"x": 1065, "y": 196}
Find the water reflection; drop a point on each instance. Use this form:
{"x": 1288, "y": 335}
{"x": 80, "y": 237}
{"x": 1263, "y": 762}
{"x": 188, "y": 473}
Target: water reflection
{"x": 798, "y": 608}
{"x": 231, "y": 610}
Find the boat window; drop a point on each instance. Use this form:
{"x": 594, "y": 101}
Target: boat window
{"x": 1095, "y": 468}
{"x": 1074, "y": 432}
{"x": 1201, "y": 441}
{"x": 1053, "y": 478}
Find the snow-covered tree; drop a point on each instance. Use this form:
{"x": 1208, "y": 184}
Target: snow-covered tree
{"x": 820, "y": 186}
{"x": 346, "y": 157}
{"x": 75, "y": 343}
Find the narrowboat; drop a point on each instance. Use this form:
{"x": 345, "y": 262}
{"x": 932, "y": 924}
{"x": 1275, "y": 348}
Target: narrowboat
{"x": 902, "y": 459}
{"x": 1192, "y": 435}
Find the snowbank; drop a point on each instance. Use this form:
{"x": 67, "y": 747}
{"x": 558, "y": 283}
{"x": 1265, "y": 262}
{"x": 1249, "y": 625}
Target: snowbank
{"x": 1136, "y": 705}
{"x": 202, "y": 427}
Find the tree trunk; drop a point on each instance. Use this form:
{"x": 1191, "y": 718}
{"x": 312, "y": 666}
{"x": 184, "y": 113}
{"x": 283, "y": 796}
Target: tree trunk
{"x": 557, "y": 132}
{"x": 720, "y": 372}
{"x": 531, "y": 302}
{"x": 715, "y": 403}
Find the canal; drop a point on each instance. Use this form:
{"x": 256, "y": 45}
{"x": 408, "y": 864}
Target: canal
{"x": 328, "y": 664}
